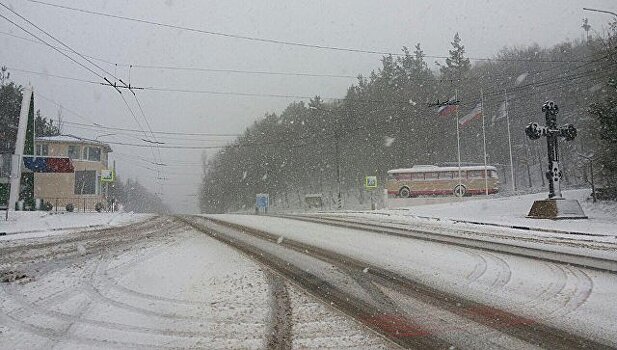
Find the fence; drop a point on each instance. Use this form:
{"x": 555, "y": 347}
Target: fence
{"x": 80, "y": 203}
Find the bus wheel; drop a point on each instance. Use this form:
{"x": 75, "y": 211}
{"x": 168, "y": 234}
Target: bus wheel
{"x": 404, "y": 192}
{"x": 460, "y": 191}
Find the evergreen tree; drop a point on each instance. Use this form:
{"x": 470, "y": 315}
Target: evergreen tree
{"x": 457, "y": 65}
{"x": 605, "y": 114}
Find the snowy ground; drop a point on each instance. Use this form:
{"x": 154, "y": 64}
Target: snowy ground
{"x": 513, "y": 211}
{"x": 153, "y": 285}
{"x": 579, "y": 300}
{"x": 28, "y": 224}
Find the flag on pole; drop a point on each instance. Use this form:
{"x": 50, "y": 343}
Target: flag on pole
{"x": 448, "y": 108}
{"x": 501, "y": 112}
{"x": 475, "y": 113}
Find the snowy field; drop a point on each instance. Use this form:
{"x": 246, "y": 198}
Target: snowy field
{"x": 28, "y": 224}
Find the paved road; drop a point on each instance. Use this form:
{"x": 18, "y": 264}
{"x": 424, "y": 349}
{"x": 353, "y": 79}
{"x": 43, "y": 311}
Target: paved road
{"x": 159, "y": 284}
{"x": 411, "y": 314}
{"x": 195, "y": 282}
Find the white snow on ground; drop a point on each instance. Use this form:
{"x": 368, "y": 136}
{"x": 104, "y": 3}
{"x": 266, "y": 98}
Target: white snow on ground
{"x": 179, "y": 289}
{"x": 32, "y": 224}
{"x": 316, "y": 326}
{"x": 582, "y": 301}
{"x": 513, "y": 211}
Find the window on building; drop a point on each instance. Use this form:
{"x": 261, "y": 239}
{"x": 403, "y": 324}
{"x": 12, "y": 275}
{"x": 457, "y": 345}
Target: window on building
{"x": 93, "y": 154}
{"x": 74, "y": 152}
{"x": 42, "y": 149}
{"x": 85, "y": 182}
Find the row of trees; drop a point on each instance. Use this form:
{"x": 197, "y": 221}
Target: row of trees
{"x": 605, "y": 113}
{"x": 135, "y": 197}
{"x": 385, "y": 121}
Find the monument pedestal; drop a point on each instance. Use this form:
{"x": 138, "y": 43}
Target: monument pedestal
{"x": 556, "y": 209}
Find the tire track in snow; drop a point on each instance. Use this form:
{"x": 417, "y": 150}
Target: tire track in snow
{"x": 279, "y": 332}
{"x": 532, "y": 331}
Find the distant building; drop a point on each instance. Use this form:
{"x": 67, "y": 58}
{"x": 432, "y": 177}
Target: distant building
{"x": 82, "y": 188}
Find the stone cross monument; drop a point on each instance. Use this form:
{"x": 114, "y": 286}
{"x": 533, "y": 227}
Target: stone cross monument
{"x": 555, "y": 207}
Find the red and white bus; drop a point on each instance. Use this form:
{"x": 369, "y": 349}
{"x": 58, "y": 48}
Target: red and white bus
{"x": 431, "y": 180}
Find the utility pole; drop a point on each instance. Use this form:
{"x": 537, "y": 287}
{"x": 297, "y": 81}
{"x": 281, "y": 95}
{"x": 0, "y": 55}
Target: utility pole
{"x": 454, "y": 103}
{"x": 586, "y": 27}
{"x": 505, "y": 95}
{"x": 484, "y": 144}
{"x": 590, "y": 158}
{"x": 339, "y": 200}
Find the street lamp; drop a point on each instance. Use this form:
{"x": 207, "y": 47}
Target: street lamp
{"x": 603, "y": 11}
{"x": 103, "y": 135}
{"x": 590, "y": 158}
{"x": 339, "y": 202}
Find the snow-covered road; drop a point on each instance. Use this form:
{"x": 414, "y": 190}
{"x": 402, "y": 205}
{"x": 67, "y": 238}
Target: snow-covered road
{"x": 579, "y": 301}
{"x": 255, "y": 282}
{"x": 157, "y": 284}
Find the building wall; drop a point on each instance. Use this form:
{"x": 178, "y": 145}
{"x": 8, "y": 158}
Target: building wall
{"x": 59, "y": 188}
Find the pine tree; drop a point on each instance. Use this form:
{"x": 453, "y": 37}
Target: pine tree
{"x": 457, "y": 65}
{"x": 605, "y": 114}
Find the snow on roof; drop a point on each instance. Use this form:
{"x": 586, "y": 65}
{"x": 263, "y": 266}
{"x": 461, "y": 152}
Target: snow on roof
{"x": 425, "y": 168}
{"x": 72, "y": 139}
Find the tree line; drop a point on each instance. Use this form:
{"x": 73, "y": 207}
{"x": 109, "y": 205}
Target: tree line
{"x": 388, "y": 120}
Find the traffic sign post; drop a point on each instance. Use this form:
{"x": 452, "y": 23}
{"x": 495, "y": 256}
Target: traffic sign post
{"x": 262, "y": 202}
{"x": 370, "y": 183}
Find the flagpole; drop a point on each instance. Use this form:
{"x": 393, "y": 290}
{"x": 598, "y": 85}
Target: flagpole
{"x": 484, "y": 140}
{"x": 505, "y": 95}
{"x": 458, "y": 140}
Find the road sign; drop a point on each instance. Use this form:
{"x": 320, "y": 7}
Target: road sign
{"x": 107, "y": 175}
{"x": 370, "y": 182}
{"x": 262, "y": 200}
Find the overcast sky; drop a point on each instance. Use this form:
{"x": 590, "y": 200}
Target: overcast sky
{"x": 484, "y": 26}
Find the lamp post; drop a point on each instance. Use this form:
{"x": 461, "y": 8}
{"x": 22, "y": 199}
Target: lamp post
{"x": 103, "y": 135}
{"x": 602, "y": 11}
{"x": 590, "y": 158}
{"x": 339, "y": 202}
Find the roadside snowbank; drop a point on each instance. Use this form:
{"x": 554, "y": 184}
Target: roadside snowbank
{"x": 30, "y": 224}
{"x": 513, "y": 211}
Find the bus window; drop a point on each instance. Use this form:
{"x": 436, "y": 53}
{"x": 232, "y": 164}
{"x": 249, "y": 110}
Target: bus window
{"x": 417, "y": 176}
{"x": 431, "y": 176}
{"x": 475, "y": 174}
{"x": 446, "y": 175}
{"x": 493, "y": 174}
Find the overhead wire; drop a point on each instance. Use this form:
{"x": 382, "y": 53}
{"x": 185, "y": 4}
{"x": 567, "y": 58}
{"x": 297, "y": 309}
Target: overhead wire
{"x": 84, "y": 58}
{"x": 266, "y": 40}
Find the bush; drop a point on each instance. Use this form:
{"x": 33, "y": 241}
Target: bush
{"x": 30, "y": 204}
{"x": 47, "y": 206}
{"x": 70, "y": 207}
{"x": 98, "y": 207}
